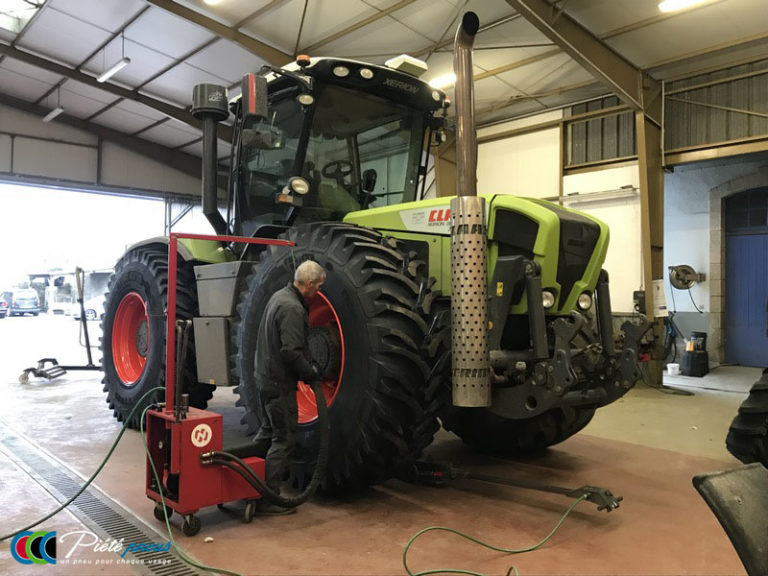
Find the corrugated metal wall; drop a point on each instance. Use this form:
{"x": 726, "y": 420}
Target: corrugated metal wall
{"x": 703, "y": 118}
{"x": 600, "y": 139}
{"x": 729, "y": 105}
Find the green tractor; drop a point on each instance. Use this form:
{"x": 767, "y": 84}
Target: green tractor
{"x": 332, "y": 155}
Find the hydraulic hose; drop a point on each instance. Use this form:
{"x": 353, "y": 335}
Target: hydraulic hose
{"x": 236, "y": 464}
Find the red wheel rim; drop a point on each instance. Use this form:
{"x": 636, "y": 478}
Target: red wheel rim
{"x": 130, "y": 338}
{"x": 321, "y": 313}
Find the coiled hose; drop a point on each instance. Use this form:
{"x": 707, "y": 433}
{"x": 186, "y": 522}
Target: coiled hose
{"x": 234, "y": 463}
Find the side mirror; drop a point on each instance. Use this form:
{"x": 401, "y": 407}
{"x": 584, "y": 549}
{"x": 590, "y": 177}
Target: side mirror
{"x": 369, "y": 180}
{"x": 254, "y": 97}
{"x": 262, "y": 136}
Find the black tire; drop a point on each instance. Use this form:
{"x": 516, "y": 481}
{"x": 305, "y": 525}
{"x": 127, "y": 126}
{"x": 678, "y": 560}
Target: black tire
{"x": 160, "y": 512}
{"x": 490, "y": 432}
{"x": 747, "y": 436}
{"x": 191, "y": 525}
{"x": 383, "y": 414}
{"x": 141, "y": 278}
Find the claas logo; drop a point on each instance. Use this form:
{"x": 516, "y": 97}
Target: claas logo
{"x": 442, "y": 215}
{"x": 34, "y": 547}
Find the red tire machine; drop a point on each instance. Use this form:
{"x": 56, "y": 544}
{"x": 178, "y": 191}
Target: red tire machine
{"x": 178, "y": 435}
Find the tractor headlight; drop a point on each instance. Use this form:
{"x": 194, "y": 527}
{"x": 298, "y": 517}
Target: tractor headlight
{"x": 306, "y": 99}
{"x": 548, "y": 299}
{"x": 298, "y": 185}
{"x": 585, "y": 301}
{"x": 341, "y": 71}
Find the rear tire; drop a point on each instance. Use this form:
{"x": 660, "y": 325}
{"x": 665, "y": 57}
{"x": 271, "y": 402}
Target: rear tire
{"x": 380, "y": 412}
{"x": 133, "y": 341}
{"x": 747, "y": 437}
{"x": 487, "y": 431}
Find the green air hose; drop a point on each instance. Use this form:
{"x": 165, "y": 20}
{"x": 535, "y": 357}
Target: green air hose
{"x": 93, "y": 476}
{"x": 476, "y": 541}
{"x": 88, "y": 482}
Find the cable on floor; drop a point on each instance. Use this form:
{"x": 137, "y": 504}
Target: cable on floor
{"x": 93, "y": 476}
{"x": 512, "y": 569}
{"x": 179, "y": 551}
{"x": 88, "y": 482}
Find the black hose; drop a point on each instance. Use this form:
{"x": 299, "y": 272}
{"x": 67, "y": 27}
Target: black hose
{"x": 233, "y": 462}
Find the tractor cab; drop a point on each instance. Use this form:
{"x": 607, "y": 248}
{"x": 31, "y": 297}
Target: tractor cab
{"x": 339, "y": 136}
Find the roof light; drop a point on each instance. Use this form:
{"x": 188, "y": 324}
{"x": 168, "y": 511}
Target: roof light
{"x": 675, "y": 5}
{"x": 53, "y": 113}
{"x": 366, "y": 73}
{"x": 443, "y": 81}
{"x": 119, "y": 65}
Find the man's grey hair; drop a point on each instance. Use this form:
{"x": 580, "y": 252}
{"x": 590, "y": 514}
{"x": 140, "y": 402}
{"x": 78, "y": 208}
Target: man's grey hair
{"x": 309, "y": 271}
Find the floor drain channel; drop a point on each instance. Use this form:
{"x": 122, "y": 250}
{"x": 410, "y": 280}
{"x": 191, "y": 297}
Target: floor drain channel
{"x": 101, "y": 515}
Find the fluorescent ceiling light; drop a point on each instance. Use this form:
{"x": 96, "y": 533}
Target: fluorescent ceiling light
{"x": 443, "y": 81}
{"x": 674, "y": 5}
{"x": 119, "y": 65}
{"x": 53, "y": 113}
{"x": 212, "y": 2}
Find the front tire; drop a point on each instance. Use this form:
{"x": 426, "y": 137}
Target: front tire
{"x": 490, "y": 432}
{"x": 378, "y": 400}
{"x": 134, "y": 324}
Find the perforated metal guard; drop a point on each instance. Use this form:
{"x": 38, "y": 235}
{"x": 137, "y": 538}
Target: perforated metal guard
{"x": 469, "y": 313}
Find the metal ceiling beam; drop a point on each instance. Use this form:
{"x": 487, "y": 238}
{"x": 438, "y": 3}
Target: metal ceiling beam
{"x": 632, "y": 85}
{"x": 93, "y": 53}
{"x": 429, "y": 50}
{"x": 263, "y": 10}
{"x": 181, "y": 114}
{"x": 517, "y": 64}
{"x": 357, "y": 25}
{"x": 181, "y": 161}
{"x": 260, "y": 49}
{"x": 536, "y": 96}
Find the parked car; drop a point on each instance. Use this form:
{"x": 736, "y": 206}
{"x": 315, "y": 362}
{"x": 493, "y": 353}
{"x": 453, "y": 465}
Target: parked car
{"x": 94, "y": 309}
{"x": 22, "y": 301}
{"x": 3, "y": 308}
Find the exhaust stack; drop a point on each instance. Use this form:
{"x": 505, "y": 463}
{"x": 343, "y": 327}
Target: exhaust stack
{"x": 209, "y": 104}
{"x": 470, "y": 370}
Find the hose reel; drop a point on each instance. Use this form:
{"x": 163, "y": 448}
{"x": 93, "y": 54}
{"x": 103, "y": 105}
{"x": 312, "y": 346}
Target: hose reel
{"x": 684, "y": 277}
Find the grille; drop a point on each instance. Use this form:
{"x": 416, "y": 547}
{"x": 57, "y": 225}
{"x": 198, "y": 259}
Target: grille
{"x": 101, "y": 515}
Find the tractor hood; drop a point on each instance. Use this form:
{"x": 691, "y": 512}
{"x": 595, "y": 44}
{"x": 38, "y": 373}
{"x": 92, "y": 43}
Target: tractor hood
{"x": 434, "y": 216}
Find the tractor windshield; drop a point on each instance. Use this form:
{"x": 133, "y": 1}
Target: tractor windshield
{"x": 356, "y": 149}
{"x": 363, "y": 151}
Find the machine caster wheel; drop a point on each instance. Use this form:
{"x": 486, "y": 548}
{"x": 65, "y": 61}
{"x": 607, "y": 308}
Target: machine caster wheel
{"x": 160, "y": 513}
{"x": 24, "y": 378}
{"x": 250, "y": 510}
{"x": 191, "y": 525}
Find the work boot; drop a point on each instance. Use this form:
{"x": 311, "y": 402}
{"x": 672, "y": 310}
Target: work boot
{"x": 261, "y": 447}
{"x": 266, "y": 508}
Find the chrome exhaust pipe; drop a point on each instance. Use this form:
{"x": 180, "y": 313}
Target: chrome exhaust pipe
{"x": 471, "y": 368}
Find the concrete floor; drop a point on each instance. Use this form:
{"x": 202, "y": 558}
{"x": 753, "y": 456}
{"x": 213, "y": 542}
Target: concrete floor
{"x": 645, "y": 447}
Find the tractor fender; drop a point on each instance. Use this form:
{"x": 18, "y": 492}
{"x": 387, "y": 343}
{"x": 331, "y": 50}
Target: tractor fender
{"x": 209, "y": 251}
